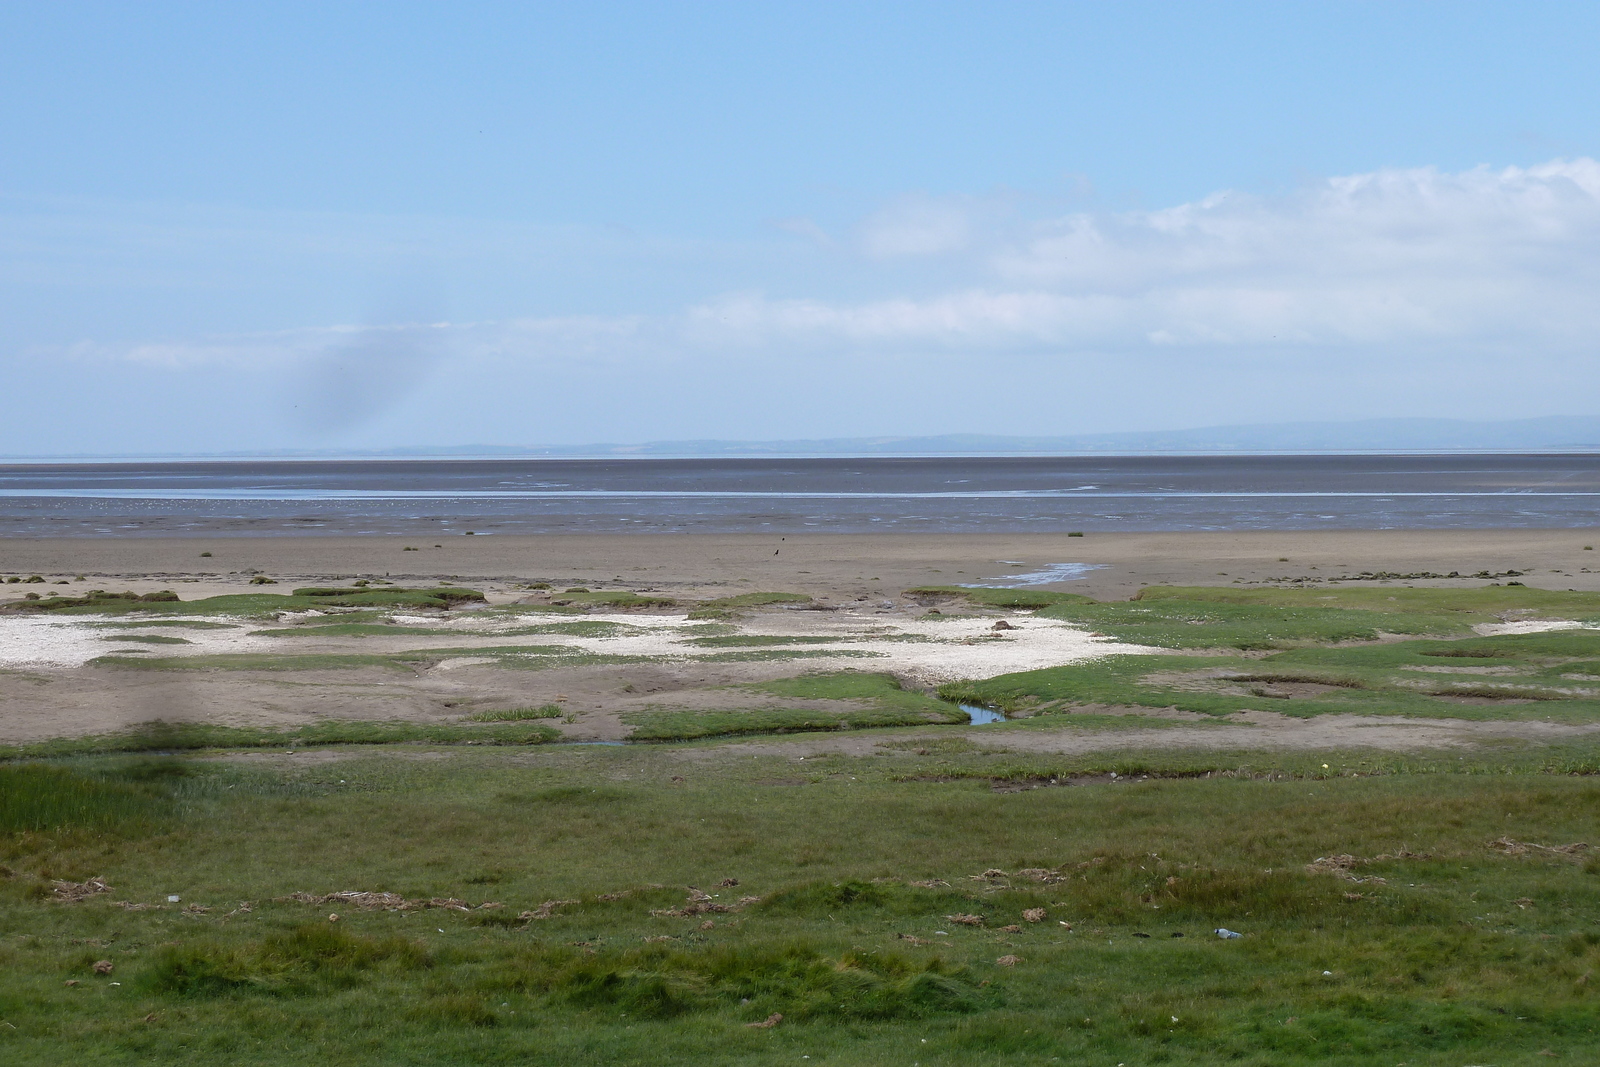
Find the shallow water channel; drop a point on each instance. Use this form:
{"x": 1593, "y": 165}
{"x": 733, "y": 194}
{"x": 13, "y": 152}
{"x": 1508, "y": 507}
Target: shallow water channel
{"x": 977, "y": 714}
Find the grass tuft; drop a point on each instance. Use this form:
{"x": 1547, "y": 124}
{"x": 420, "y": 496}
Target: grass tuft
{"x": 543, "y": 711}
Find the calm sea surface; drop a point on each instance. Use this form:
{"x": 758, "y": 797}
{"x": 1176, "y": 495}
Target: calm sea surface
{"x": 924, "y": 494}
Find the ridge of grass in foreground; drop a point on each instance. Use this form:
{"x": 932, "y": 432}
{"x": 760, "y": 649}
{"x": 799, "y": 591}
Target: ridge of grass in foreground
{"x": 879, "y": 701}
{"x": 487, "y": 728}
{"x": 1452, "y": 918}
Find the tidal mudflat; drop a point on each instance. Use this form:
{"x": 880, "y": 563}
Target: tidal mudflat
{"x": 317, "y": 813}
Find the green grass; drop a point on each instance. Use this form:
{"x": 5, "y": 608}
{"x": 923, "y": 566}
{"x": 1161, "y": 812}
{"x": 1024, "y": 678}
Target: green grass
{"x": 149, "y": 639}
{"x": 996, "y": 598}
{"x": 1364, "y": 679}
{"x": 179, "y": 737}
{"x": 543, "y": 711}
{"x": 39, "y": 799}
{"x": 181, "y": 624}
{"x": 694, "y": 725}
{"x": 584, "y": 628}
{"x": 1481, "y": 604}
{"x": 1323, "y": 637}
{"x": 616, "y": 598}
{"x": 251, "y": 605}
{"x": 354, "y": 629}
{"x": 248, "y": 661}
{"x": 879, "y": 702}
{"x": 1192, "y": 622}
{"x": 1264, "y": 618}
{"x": 733, "y": 607}
{"x": 442, "y": 596}
{"x": 1464, "y": 952}
{"x": 1459, "y": 943}
{"x": 514, "y": 656}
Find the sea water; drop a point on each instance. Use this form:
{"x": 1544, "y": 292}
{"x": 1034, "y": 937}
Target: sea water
{"x": 770, "y": 495}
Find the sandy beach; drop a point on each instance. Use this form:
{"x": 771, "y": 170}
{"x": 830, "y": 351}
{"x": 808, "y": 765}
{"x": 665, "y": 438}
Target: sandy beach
{"x": 817, "y": 564}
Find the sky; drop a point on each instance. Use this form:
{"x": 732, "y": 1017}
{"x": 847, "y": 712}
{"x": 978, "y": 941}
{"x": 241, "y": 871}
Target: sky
{"x": 236, "y": 228}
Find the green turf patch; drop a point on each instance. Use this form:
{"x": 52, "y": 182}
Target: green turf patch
{"x": 733, "y": 607}
{"x": 880, "y": 700}
{"x": 1428, "y": 924}
{"x": 179, "y": 737}
{"x": 1192, "y": 622}
{"x": 620, "y": 599}
{"x": 694, "y": 725}
{"x": 149, "y": 639}
{"x": 443, "y": 596}
{"x": 1434, "y": 679}
{"x": 37, "y": 798}
{"x": 669, "y": 982}
{"x": 519, "y": 656}
{"x": 1485, "y": 604}
{"x": 543, "y": 711}
{"x": 897, "y": 908}
{"x": 354, "y": 629}
{"x": 179, "y": 624}
{"x": 247, "y": 661}
{"x": 581, "y": 628}
{"x": 996, "y": 598}
{"x": 254, "y": 605}
{"x": 308, "y": 960}
{"x": 1256, "y": 619}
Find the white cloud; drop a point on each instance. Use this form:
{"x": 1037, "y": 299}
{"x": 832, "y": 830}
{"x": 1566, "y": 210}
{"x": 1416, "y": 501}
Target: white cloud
{"x": 919, "y": 225}
{"x": 1394, "y": 257}
{"x": 1455, "y": 289}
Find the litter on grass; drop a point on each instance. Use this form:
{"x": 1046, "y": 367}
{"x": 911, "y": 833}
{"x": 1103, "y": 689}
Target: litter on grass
{"x": 384, "y": 901}
{"x": 75, "y": 892}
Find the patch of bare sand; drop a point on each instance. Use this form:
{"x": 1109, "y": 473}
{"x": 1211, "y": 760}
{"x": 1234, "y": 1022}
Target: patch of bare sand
{"x": 827, "y": 564}
{"x": 1139, "y": 711}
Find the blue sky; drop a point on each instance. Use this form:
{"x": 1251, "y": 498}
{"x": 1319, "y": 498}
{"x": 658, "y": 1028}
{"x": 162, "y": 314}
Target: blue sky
{"x": 339, "y": 225}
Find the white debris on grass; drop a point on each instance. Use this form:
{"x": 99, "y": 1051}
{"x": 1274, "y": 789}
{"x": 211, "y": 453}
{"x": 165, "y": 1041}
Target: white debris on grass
{"x": 939, "y": 650}
{"x": 1502, "y": 629}
{"x": 930, "y": 651}
{"x": 464, "y": 661}
{"x": 34, "y": 641}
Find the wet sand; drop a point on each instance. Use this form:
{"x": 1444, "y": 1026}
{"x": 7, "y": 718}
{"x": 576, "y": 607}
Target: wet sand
{"x": 818, "y": 564}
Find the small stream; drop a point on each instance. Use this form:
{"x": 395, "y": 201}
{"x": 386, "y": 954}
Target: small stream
{"x": 977, "y": 714}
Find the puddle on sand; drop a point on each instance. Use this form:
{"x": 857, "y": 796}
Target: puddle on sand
{"x": 1052, "y": 572}
{"x": 977, "y": 714}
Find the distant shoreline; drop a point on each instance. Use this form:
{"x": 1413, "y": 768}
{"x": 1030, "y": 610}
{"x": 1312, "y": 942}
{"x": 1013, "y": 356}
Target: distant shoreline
{"x": 1557, "y": 434}
{"x": 511, "y": 457}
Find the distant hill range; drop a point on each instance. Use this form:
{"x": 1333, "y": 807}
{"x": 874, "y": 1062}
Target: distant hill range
{"x": 1575, "y": 433}
{"x": 1551, "y": 434}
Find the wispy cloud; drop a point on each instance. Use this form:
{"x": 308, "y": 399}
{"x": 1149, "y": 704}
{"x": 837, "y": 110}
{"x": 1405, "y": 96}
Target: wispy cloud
{"x": 1393, "y": 257}
{"x": 1431, "y": 279}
